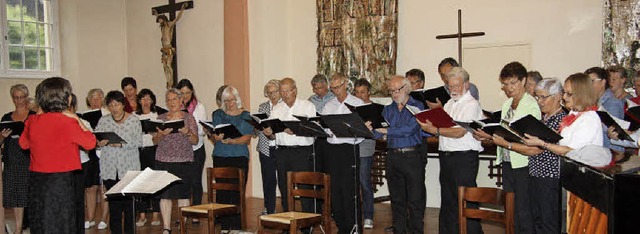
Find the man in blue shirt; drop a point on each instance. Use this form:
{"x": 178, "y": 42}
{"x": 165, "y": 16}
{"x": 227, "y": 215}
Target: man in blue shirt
{"x": 405, "y": 166}
{"x": 321, "y": 94}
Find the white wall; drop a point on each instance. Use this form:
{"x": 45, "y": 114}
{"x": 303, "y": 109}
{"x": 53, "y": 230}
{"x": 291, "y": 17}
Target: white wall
{"x": 565, "y": 37}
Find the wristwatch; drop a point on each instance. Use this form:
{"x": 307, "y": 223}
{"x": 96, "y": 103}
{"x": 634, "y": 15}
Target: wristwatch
{"x": 509, "y": 146}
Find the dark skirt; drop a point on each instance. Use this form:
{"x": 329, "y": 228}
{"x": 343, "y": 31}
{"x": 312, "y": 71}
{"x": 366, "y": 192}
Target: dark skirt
{"x": 91, "y": 171}
{"x": 178, "y": 189}
{"x": 53, "y": 205}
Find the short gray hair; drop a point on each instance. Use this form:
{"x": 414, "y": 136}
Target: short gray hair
{"x": 230, "y": 90}
{"x": 458, "y": 72}
{"x": 551, "y": 85}
{"x": 174, "y": 91}
{"x": 319, "y": 78}
{"x": 19, "y": 87}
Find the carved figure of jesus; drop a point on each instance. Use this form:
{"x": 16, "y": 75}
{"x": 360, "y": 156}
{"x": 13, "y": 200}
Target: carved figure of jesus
{"x": 168, "y": 51}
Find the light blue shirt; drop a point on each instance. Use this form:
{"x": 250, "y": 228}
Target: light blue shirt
{"x": 615, "y": 107}
{"x": 320, "y": 101}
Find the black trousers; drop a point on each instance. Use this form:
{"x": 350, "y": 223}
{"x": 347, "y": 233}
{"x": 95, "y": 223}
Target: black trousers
{"x": 230, "y": 197}
{"x": 545, "y": 204}
{"x": 293, "y": 159}
{"x": 321, "y": 148}
{"x": 340, "y": 166}
{"x": 405, "y": 175}
{"x": 517, "y": 181}
{"x": 199, "y": 156}
{"x": 120, "y": 207}
{"x": 457, "y": 168}
{"x": 269, "y": 180}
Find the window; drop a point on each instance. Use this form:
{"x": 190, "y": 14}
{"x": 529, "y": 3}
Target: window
{"x": 30, "y": 47}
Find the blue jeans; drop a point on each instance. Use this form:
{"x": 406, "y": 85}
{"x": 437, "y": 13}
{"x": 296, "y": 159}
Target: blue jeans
{"x": 365, "y": 185}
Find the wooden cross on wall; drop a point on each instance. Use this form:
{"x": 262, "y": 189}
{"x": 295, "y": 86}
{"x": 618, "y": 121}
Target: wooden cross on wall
{"x": 460, "y": 35}
{"x": 172, "y": 7}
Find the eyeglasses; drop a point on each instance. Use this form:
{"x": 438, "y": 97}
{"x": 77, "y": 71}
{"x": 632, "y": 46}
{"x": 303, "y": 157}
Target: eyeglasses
{"x": 336, "y": 87}
{"x": 230, "y": 101}
{"x": 542, "y": 97}
{"x": 19, "y": 97}
{"x": 394, "y": 91}
{"x": 272, "y": 93}
{"x": 510, "y": 83}
{"x": 286, "y": 91}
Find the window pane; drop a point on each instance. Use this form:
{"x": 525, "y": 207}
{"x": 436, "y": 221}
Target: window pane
{"x": 40, "y": 10}
{"x": 42, "y": 31}
{"x": 31, "y": 59}
{"x": 45, "y": 59}
{"x": 30, "y": 6}
{"x": 15, "y": 32}
{"x": 13, "y": 10}
{"x": 30, "y": 34}
{"x": 15, "y": 57}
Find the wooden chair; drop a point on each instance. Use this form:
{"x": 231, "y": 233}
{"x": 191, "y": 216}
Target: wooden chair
{"x": 294, "y": 220}
{"x": 213, "y": 210}
{"x": 491, "y": 196}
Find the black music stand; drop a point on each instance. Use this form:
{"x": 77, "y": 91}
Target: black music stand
{"x": 352, "y": 126}
{"x": 160, "y": 180}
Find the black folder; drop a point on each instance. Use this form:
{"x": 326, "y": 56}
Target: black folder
{"x": 112, "y": 137}
{"x": 91, "y": 116}
{"x": 347, "y": 125}
{"x": 492, "y": 117}
{"x": 532, "y": 126}
{"x": 370, "y": 112}
{"x": 151, "y": 125}
{"x": 608, "y": 121}
{"x": 229, "y": 131}
{"x": 276, "y": 125}
{"x": 305, "y": 128}
{"x": 160, "y": 110}
{"x": 16, "y": 127}
{"x": 314, "y": 119}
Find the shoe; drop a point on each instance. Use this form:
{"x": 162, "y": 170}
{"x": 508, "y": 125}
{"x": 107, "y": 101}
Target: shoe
{"x": 389, "y": 229}
{"x": 141, "y": 222}
{"x": 368, "y": 224}
{"x": 168, "y": 231}
{"x": 102, "y": 225}
{"x": 155, "y": 223}
{"x": 88, "y": 224}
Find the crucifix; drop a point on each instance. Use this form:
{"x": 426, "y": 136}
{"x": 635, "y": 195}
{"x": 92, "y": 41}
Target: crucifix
{"x": 460, "y": 35}
{"x": 168, "y": 39}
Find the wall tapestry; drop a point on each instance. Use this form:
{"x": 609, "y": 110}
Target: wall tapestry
{"x": 621, "y": 33}
{"x": 358, "y": 38}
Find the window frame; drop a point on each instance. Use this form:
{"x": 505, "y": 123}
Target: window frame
{"x": 8, "y": 73}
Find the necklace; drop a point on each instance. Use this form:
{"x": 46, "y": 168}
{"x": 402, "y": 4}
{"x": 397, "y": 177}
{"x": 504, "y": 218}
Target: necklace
{"x": 118, "y": 121}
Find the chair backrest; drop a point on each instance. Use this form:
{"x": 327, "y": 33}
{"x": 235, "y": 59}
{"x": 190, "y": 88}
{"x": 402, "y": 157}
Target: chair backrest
{"x": 485, "y": 196}
{"x": 314, "y": 185}
{"x": 233, "y": 180}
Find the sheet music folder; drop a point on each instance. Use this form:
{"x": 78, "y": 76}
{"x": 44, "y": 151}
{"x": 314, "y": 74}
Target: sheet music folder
{"x": 16, "y": 127}
{"x": 112, "y": 137}
{"x": 145, "y": 182}
{"x": 347, "y": 125}
{"x": 608, "y": 121}
{"x": 305, "y": 128}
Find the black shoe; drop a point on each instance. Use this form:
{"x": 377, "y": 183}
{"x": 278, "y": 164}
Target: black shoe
{"x": 389, "y": 229}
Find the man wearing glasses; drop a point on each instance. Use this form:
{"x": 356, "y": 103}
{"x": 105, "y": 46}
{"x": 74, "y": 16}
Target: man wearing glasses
{"x": 405, "y": 166}
{"x": 293, "y": 153}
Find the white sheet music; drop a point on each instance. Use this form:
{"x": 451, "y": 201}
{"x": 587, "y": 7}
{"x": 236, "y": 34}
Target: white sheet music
{"x": 143, "y": 182}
